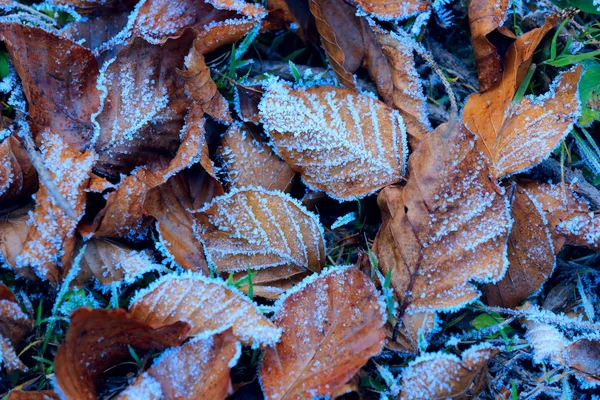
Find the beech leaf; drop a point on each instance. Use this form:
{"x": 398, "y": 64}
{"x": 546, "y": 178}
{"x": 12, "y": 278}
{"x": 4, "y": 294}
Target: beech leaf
{"x": 392, "y": 9}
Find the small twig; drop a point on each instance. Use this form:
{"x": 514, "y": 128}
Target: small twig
{"x": 546, "y": 316}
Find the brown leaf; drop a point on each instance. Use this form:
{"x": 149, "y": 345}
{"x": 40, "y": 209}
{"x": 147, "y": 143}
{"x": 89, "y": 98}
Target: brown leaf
{"x": 254, "y": 229}
{"x": 14, "y": 325}
{"x": 60, "y": 99}
{"x": 442, "y": 376}
{"x": 171, "y": 204}
{"x": 407, "y": 93}
{"x": 85, "y": 7}
{"x": 247, "y": 99}
{"x": 583, "y": 356}
{"x": 17, "y": 176}
{"x": 13, "y": 234}
{"x": 332, "y": 324}
{"x": 445, "y": 228}
{"x": 530, "y": 252}
{"x": 196, "y": 370}
{"x": 33, "y": 395}
{"x": 208, "y": 305}
{"x": 51, "y": 236}
{"x": 513, "y": 136}
{"x": 392, "y": 9}
{"x": 248, "y": 161}
{"x": 343, "y": 143}
{"x": 98, "y": 339}
{"x": 484, "y": 17}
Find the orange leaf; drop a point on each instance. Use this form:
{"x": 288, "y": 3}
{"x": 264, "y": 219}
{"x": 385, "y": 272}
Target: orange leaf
{"x": 98, "y": 339}
{"x": 332, "y": 324}
{"x": 208, "y": 305}
{"x": 392, "y": 9}
{"x": 441, "y": 375}
{"x": 445, "y": 228}
{"x": 343, "y": 143}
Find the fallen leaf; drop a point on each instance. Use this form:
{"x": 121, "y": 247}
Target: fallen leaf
{"x": 33, "y": 395}
{"x": 208, "y": 305}
{"x": 17, "y": 176}
{"x": 332, "y": 324}
{"x": 171, "y": 204}
{"x": 85, "y": 7}
{"x": 197, "y": 370}
{"x": 392, "y": 9}
{"x": 144, "y": 387}
{"x": 98, "y": 339}
{"x": 346, "y": 144}
{"x": 14, "y": 325}
{"x": 60, "y": 99}
{"x": 484, "y": 17}
{"x": 51, "y": 236}
{"x": 441, "y": 375}
{"x": 445, "y": 228}
{"x": 250, "y": 228}
{"x": 13, "y": 234}
{"x": 247, "y": 161}
{"x": 530, "y": 252}
{"x": 407, "y": 93}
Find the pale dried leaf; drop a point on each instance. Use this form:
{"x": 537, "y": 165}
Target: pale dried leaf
{"x": 14, "y": 228}
{"x": 447, "y": 227}
{"x": 208, "y": 305}
{"x": 343, "y": 143}
{"x": 331, "y": 324}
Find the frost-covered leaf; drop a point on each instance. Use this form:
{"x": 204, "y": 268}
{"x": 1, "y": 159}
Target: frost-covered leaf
{"x": 343, "y": 143}
{"x": 250, "y": 228}
{"x": 515, "y": 137}
{"x": 171, "y": 204}
{"x": 392, "y": 9}
{"x": 201, "y": 87}
{"x": 332, "y": 324}
{"x": 17, "y": 174}
{"x": 407, "y": 94}
{"x": 144, "y": 387}
{"x": 248, "y": 161}
{"x": 13, "y": 234}
{"x": 447, "y": 227}
{"x": 59, "y": 82}
{"x": 484, "y": 17}
{"x": 442, "y": 376}
{"x": 51, "y": 237}
{"x": 569, "y": 216}
{"x": 143, "y": 106}
{"x": 197, "y": 370}
{"x": 33, "y": 395}
{"x": 208, "y": 305}
{"x": 530, "y": 252}
{"x": 14, "y": 325}
{"x": 98, "y": 339}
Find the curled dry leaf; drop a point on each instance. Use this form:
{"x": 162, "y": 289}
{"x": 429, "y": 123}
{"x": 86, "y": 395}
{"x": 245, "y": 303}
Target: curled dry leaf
{"x": 197, "y": 370}
{"x": 14, "y": 325}
{"x": 51, "y": 236}
{"x": 442, "y": 376}
{"x": 332, "y": 324}
{"x": 484, "y": 17}
{"x": 98, "y": 339}
{"x": 530, "y": 252}
{"x": 17, "y": 174}
{"x": 248, "y": 161}
{"x": 250, "y": 228}
{"x": 171, "y": 204}
{"x": 343, "y": 143}
{"x": 448, "y": 226}
{"x": 60, "y": 100}
{"x": 208, "y": 305}
{"x": 392, "y": 9}
{"x": 407, "y": 93}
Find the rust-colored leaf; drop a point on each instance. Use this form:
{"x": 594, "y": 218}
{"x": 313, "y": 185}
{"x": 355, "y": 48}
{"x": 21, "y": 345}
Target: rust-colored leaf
{"x": 14, "y": 325}
{"x": 17, "y": 174}
{"x": 98, "y": 339}
{"x": 251, "y": 228}
{"x": 445, "y": 228}
{"x": 484, "y": 17}
{"x": 33, "y": 395}
{"x": 248, "y": 161}
{"x": 443, "y": 376}
{"x": 196, "y": 370}
{"x": 60, "y": 99}
{"x": 51, "y": 236}
{"x": 331, "y": 324}
{"x": 343, "y": 143}
{"x": 392, "y": 9}
{"x": 208, "y": 305}
{"x": 530, "y": 252}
